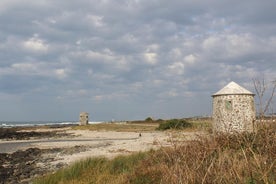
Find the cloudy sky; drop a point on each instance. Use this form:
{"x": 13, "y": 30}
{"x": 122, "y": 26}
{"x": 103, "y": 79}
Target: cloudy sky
{"x": 129, "y": 59}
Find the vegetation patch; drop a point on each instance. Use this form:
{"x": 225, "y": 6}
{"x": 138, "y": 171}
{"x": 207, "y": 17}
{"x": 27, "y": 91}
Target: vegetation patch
{"x": 174, "y": 124}
{"x": 95, "y": 170}
{"x": 119, "y": 127}
{"x": 221, "y": 158}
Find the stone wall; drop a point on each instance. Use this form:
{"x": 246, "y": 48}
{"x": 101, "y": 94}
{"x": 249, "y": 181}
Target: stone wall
{"x": 233, "y": 113}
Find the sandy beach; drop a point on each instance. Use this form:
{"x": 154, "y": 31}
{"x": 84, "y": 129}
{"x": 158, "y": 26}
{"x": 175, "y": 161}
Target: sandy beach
{"x": 101, "y": 143}
{"x": 48, "y": 149}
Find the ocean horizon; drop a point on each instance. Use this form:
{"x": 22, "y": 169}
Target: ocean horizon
{"x": 9, "y": 124}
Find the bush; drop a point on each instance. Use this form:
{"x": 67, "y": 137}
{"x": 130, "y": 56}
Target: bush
{"x": 148, "y": 119}
{"x": 174, "y": 124}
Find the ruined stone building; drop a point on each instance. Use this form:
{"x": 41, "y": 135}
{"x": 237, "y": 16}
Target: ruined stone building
{"x": 84, "y": 119}
{"x": 233, "y": 109}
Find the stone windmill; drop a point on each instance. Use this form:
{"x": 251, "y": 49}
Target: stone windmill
{"x": 233, "y": 109}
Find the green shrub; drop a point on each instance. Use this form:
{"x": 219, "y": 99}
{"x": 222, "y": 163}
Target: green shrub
{"x": 148, "y": 119}
{"x": 174, "y": 124}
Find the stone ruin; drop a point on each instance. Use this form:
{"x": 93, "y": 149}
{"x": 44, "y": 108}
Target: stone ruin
{"x": 84, "y": 118}
{"x": 233, "y": 109}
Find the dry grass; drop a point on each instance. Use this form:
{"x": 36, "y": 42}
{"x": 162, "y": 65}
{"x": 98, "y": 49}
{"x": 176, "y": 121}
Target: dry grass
{"x": 143, "y": 126}
{"x": 237, "y": 158}
{"x": 226, "y": 158}
{"x": 119, "y": 127}
{"x": 95, "y": 170}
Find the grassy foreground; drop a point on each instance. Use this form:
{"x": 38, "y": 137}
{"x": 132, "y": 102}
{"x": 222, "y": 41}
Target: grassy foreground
{"x": 237, "y": 158}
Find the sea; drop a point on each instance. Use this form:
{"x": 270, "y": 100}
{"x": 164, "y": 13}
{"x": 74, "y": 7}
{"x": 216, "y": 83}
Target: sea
{"x": 10, "y": 124}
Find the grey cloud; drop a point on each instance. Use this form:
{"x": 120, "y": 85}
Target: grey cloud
{"x": 131, "y": 58}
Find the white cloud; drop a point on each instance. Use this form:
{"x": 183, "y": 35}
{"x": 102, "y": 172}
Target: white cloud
{"x": 153, "y": 48}
{"x": 176, "y": 53}
{"x": 98, "y": 97}
{"x": 238, "y": 45}
{"x": 36, "y": 44}
{"x": 129, "y": 38}
{"x": 105, "y": 56}
{"x": 212, "y": 43}
{"x": 110, "y": 96}
{"x": 25, "y": 67}
{"x": 137, "y": 86}
{"x": 74, "y": 94}
{"x": 230, "y": 45}
{"x": 151, "y": 58}
{"x": 191, "y": 59}
{"x": 239, "y": 70}
{"x": 158, "y": 82}
{"x": 35, "y": 69}
{"x": 176, "y": 68}
{"x": 95, "y": 20}
{"x": 61, "y": 73}
{"x": 172, "y": 93}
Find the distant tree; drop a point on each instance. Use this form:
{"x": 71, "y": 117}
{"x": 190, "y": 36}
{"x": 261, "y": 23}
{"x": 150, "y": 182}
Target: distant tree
{"x": 148, "y": 119}
{"x": 160, "y": 120}
{"x": 264, "y": 99}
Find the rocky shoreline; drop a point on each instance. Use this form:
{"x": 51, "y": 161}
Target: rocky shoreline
{"x": 29, "y": 152}
{"x": 27, "y": 133}
{"x": 22, "y": 165}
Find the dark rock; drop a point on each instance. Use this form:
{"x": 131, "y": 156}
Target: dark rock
{"x": 18, "y": 166}
{"x": 22, "y": 165}
{"x": 16, "y": 134}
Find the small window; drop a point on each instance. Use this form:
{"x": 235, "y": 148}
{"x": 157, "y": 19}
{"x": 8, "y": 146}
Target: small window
{"x": 228, "y": 105}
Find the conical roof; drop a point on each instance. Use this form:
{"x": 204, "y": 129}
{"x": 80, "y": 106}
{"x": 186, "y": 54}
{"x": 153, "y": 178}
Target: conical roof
{"x": 233, "y": 89}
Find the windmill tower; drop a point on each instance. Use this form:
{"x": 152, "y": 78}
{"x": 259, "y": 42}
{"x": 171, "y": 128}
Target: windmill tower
{"x": 233, "y": 109}
{"x": 84, "y": 119}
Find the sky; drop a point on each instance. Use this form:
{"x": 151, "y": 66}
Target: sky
{"x": 129, "y": 59}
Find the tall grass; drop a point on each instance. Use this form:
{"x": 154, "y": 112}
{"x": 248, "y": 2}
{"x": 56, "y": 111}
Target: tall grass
{"x": 236, "y": 158}
{"x": 97, "y": 170}
{"x": 225, "y": 158}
